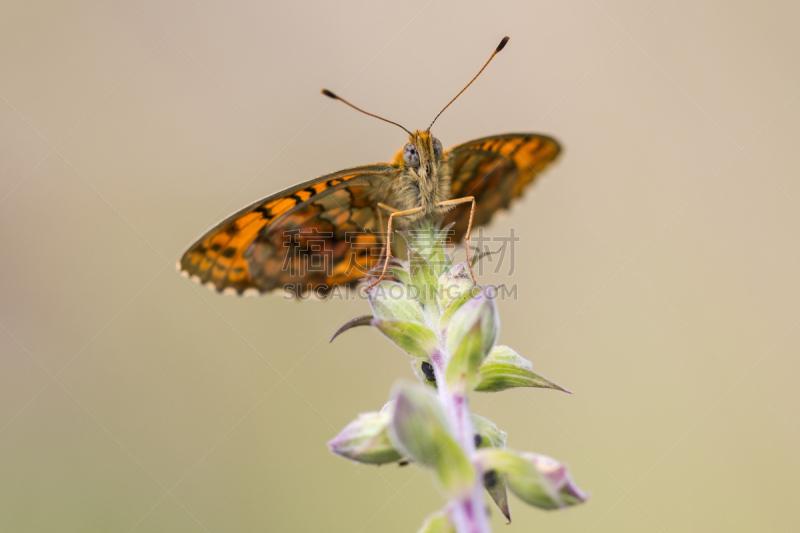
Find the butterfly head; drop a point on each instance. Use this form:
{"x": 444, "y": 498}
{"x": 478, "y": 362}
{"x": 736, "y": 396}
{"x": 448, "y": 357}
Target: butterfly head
{"x": 422, "y": 154}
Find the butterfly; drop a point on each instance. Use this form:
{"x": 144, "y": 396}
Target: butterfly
{"x": 329, "y": 232}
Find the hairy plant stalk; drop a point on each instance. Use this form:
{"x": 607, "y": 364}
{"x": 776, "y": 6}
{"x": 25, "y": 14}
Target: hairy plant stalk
{"x": 468, "y": 514}
{"x": 432, "y": 310}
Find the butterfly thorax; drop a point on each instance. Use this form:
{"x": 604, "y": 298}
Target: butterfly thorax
{"x": 423, "y": 177}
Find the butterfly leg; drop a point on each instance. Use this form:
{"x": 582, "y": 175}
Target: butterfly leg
{"x": 389, "y": 209}
{"x": 388, "y": 245}
{"x": 458, "y": 201}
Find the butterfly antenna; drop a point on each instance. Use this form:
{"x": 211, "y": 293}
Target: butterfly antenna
{"x": 499, "y": 47}
{"x": 329, "y": 94}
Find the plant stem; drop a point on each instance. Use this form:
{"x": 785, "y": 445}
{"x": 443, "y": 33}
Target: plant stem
{"x": 469, "y": 513}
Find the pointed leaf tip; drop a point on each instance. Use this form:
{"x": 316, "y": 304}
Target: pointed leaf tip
{"x": 495, "y": 485}
{"x": 364, "y": 320}
{"x": 506, "y": 369}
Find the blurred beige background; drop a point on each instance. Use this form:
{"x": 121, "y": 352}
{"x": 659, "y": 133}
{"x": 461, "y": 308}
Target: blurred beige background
{"x": 657, "y": 271}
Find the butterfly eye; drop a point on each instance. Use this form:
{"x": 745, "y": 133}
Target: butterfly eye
{"x": 437, "y": 148}
{"x": 410, "y": 155}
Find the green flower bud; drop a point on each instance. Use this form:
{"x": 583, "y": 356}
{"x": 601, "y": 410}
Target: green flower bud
{"x": 480, "y": 311}
{"x": 450, "y": 309}
{"x": 491, "y": 435}
{"x": 366, "y": 439}
{"x": 505, "y": 369}
{"x": 419, "y": 430}
{"x": 536, "y": 479}
{"x": 453, "y": 284}
{"x": 470, "y": 336}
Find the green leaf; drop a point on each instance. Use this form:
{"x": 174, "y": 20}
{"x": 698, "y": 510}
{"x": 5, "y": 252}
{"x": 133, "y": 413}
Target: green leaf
{"x": 397, "y": 269}
{"x": 413, "y": 338}
{"x": 505, "y": 369}
{"x": 389, "y": 300}
{"x": 496, "y": 487}
{"x": 366, "y": 439}
{"x": 535, "y": 479}
{"x": 438, "y": 522}
{"x": 399, "y": 273}
{"x": 419, "y": 431}
{"x": 492, "y": 437}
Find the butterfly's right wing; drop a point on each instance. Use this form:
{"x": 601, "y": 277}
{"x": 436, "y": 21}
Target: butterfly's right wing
{"x": 495, "y": 170}
{"x": 315, "y": 235}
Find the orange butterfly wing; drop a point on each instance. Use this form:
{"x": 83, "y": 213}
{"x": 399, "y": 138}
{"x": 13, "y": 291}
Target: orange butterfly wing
{"x": 319, "y": 234}
{"x": 495, "y": 170}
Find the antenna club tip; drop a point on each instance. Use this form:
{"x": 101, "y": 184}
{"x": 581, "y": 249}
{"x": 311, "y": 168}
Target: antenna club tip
{"x": 502, "y": 43}
{"x": 329, "y": 94}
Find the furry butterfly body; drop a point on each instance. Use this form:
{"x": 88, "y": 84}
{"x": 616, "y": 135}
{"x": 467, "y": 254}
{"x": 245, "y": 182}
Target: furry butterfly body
{"x": 248, "y": 251}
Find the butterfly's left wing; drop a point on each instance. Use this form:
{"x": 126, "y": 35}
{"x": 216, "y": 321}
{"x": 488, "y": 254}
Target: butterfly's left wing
{"x": 495, "y": 170}
{"x": 312, "y": 236}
